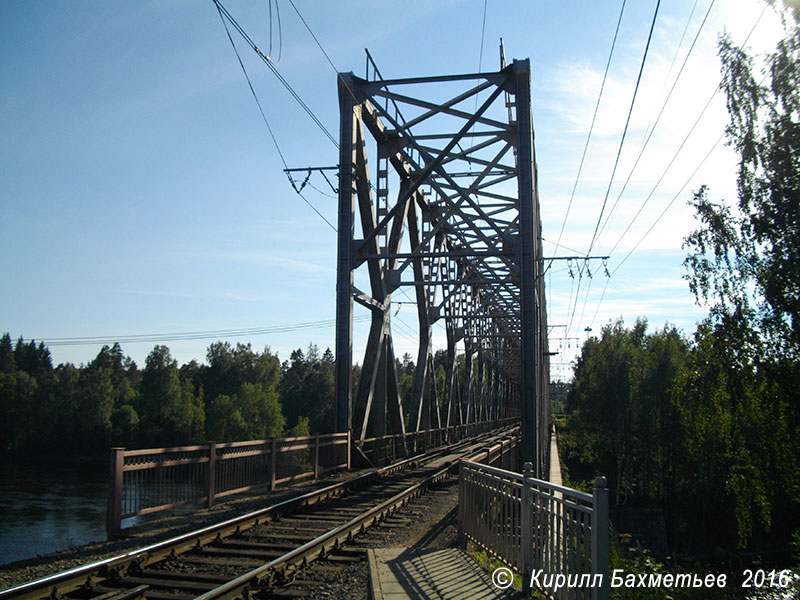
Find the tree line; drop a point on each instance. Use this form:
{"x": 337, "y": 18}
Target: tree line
{"x": 239, "y": 394}
{"x": 708, "y": 427}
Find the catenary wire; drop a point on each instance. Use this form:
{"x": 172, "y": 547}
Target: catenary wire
{"x": 641, "y": 152}
{"x": 220, "y": 9}
{"x": 591, "y": 129}
{"x": 625, "y": 130}
{"x": 252, "y": 90}
{"x": 280, "y": 34}
{"x": 683, "y": 143}
{"x": 275, "y": 71}
{"x": 189, "y": 335}
{"x": 616, "y": 161}
{"x": 607, "y": 222}
{"x": 669, "y": 205}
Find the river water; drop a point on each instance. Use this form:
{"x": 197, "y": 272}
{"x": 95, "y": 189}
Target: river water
{"x": 45, "y": 508}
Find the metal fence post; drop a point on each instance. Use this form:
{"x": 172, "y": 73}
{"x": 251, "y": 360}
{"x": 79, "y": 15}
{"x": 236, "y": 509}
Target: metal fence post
{"x": 316, "y": 456}
{"x": 600, "y": 541}
{"x": 114, "y": 509}
{"x": 526, "y": 533}
{"x": 348, "y": 449}
{"x": 273, "y": 464}
{"x": 462, "y": 506}
{"x": 210, "y": 473}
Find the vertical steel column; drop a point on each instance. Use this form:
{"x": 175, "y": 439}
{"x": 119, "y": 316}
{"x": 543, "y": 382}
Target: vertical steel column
{"x": 527, "y": 262}
{"x": 344, "y": 263}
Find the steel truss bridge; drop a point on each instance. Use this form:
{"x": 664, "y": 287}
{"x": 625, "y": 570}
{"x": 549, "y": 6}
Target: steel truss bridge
{"x": 448, "y": 216}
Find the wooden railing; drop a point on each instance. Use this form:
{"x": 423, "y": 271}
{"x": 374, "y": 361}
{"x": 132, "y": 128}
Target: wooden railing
{"x": 555, "y": 537}
{"x": 155, "y": 479}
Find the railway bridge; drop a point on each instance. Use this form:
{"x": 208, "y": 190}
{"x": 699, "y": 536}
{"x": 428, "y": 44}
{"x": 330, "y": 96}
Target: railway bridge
{"x": 438, "y": 207}
{"x": 438, "y": 196}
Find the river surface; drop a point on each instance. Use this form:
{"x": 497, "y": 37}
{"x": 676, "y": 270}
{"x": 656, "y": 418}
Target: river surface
{"x": 45, "y": 508}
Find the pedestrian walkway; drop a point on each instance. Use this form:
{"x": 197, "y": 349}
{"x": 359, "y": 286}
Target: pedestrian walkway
{"x": 448, "y": 574}
{"x": 555, "y": 463}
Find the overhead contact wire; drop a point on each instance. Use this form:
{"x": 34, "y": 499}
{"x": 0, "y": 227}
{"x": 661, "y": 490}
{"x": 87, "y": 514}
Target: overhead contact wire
{"x": 591, "y": 129}
{"x": 625, "y": 130}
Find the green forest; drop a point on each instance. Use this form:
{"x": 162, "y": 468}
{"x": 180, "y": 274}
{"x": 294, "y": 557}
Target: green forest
{"x": 707, "y": 426}
{"x": 237, "y": 394}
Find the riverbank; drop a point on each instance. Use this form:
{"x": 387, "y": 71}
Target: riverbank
{"x": 157, "y": 527}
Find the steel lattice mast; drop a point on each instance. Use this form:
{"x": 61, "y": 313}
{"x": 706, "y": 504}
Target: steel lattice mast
{"x": 460, "y": 228}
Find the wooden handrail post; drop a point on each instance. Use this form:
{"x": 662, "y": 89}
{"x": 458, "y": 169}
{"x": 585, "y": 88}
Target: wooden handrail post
{"x": 273, "y": 462}
{"x": 316, "y": 456}
{"x": 114, "y": 508}
{"x": 211, "y": 474}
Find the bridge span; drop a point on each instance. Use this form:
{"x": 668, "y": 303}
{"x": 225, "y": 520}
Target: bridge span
{"x": 449, "y": 210}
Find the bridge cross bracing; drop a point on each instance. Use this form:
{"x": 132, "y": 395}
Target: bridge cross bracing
{"x": 449, "y": 220}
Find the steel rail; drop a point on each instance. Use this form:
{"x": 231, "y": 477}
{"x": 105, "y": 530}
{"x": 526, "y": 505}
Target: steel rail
{"x": 73, "y": 578}
{"x": 60, "y": 584}
{"x": 320, "y": 546}
{"x": 328, "y": 541}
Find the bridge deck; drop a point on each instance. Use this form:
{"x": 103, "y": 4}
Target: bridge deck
{"x": 427, "y": 574}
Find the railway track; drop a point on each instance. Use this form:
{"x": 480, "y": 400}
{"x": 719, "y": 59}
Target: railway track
{"x": 255, "y": 554}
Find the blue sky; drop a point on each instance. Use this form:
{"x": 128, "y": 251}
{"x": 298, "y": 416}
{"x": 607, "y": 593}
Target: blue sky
{"x": 141, "y": 193}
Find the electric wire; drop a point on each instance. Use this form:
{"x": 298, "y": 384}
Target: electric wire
{"x": 281, "y": 79}
{"x": 625, "y": 130}
{"x": 641, "y": 152}
{"x": 483, "y": 33}
{"x": 671, "y": 202}
{"x": 671, "y": 66}
{"x": 189, "y": 335}
{"x": 280, "y": 34}
{"x": 225, "y": 15}
{"x": 658, "y": 118}
{"x": 591, "y": 129}
{"x": 683, "y": 143}
{"x": 252, "y": 90}
{"x": 616, "y": 161}
{"x": 663, "y": 212}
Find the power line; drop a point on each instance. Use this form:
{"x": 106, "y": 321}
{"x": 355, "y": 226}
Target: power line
{"x": 275, "y": 71}
{"x": 616, "y": 162}
{"x": 627, "y": 123}
{"x": 223, "y": 14}
{"x": 658, "y": 118}
{"x": 683, "y": 143}
{"x": 483, "y": 33}
{"x": 280, "y": 34}
{"x": 250, "y": 85}
{"x": 591, "y": 129}
{"x": 189, "y": 335}
{"x": 641, "y": 152}
{"x": 663, "y": 212}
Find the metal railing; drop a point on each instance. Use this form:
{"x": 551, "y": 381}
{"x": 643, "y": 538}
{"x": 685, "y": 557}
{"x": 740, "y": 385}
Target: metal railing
{"x": 155, "y": 479}
{"x": 389, "y": 448}
{"x": 555, "y": 537}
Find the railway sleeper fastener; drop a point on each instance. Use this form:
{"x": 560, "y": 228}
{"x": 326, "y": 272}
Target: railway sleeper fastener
{"x": 87, "y": 585}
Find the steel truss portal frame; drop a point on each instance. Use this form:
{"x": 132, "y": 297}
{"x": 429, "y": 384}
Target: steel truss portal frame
{"x": 461, "y": 228}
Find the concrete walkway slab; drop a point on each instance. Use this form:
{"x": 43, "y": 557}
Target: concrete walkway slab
{"x": 448, "y": 574}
